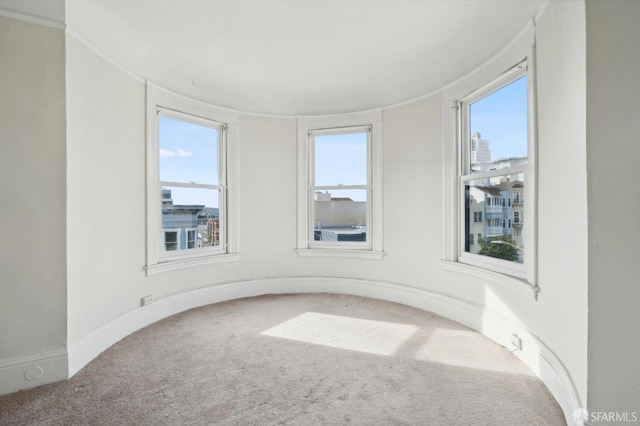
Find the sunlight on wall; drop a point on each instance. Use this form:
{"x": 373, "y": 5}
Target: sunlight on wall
{"x": 495, "y": 327}
{"x": 355, "y": 334}
{"x": 469, "y": 349}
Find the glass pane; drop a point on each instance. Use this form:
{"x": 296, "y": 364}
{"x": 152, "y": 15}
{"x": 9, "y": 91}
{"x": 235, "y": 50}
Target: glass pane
{"x": 494, "y": 213}
{"x": 190, "y": 218}
{"x": 498, "y": 128}
{"x": 188, "y": 152}
{"x": 341, "y": 159}
{"x": 340, "y": 215}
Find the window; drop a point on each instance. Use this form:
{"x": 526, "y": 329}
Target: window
{"x": 339, "y": 190}
{"x": 190, "y": 201}
{"x": 490, "y": 167}
{"x": 170, "y": 240}
{"x": 191, "y": 166}
{"x": 495, "y": 120}
{"x": 339, "y": 181}
{"x": 191, "y": 239}
{"x": 516, "y": 198}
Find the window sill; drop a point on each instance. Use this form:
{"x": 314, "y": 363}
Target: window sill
{"x": 335, "y": 253}
{"x": 517, "y": 284}
{"x": 191, "y": 262}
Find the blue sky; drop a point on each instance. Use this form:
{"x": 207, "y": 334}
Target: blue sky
{"x": 501, "y": 118}
{"x": 189, "y": 153}
{"x": 342, "y": 160}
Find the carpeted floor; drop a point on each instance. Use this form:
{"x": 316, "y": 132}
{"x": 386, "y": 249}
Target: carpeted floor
{"x": 296, "y": 360}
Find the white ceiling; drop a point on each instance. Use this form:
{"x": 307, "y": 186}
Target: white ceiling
{"x": 300, "y": 57}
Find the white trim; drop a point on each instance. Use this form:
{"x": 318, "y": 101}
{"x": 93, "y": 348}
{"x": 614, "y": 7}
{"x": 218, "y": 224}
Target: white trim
{"x": 33, "y": 370}
{"x": 174, "y": 104}
{"x": 191, "y": 262}
{"x": 341, "y": 253}
{"x": 510, "y": 55}
{"x": 500, "y": 71}
{"x": 515, "y": 284}
{"x": 71, "y": 32}
{"x": 30, "y": 19}
{"x": 178, "y": 102}
{"x": 535, "y": 353}
{"x": 371, "y": 119}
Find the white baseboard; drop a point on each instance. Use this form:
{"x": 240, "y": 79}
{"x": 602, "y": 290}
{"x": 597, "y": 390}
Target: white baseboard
{"x": 27, "y": 372}
{"x": 538, "y": 356}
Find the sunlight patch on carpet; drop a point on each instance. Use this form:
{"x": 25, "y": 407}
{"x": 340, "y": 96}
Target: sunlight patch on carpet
{"x": 466, "y": 348}
{"x": 354, "y": 334}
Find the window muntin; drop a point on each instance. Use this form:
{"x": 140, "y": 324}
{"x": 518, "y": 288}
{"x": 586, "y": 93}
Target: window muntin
{"x": 339, "y": 190}
{"x": 191, "y": 180}
{"x": 495, "y": 145}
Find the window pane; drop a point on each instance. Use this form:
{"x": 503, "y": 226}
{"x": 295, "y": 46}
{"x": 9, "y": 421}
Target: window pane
{"x": 188, "y": 152}
{"x": 170, "y": 240}
{"x": 340, "y": 215}
{"x": 341, "y": 159}
{"x": 497, "y": 224}
{"x": 192, "y": 215}
{"x": 498, "y": 128}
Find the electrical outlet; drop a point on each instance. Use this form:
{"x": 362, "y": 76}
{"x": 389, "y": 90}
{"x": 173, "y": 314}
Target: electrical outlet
{"x": 146, "y": 300}
{"x": 516, "y": 341}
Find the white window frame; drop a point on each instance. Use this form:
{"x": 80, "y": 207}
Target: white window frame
{"x": 519, "y": 215}
{"x": 166, "y": 103}
{"x": 172, "y": 230}
{"x": 195, "y": 237}
{"x": 308, "y": 127}
{"x": 498, "y": 72}
{"x": 184, "y": 253}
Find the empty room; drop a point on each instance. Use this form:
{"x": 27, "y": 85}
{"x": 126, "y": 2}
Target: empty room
{"x": 319, "y": 212}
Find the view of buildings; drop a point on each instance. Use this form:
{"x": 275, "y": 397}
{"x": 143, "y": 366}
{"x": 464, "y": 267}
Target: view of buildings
{"x": 339, "y": 218}
{"x": 188, "y": 226}
{"x": 494, "y": 207}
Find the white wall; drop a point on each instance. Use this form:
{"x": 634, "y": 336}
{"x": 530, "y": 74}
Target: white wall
{"x": 613, "y": 150}
{"x": 562, "y": 191}
{"x": 105, "y": 190}
{"x": 33, "y": 307}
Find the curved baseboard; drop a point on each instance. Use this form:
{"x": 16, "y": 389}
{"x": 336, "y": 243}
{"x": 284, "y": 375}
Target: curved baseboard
{"x": 535, "y": 353}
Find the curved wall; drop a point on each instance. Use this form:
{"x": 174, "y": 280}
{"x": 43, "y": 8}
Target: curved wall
{"x": 106, "y": 217}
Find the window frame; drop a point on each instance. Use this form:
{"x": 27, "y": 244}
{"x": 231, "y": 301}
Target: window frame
{"x": 221, "y": 187}
{"x": 308, "y": 127}
{"x": 506, "y": 267}
{"x": 175, "y": 231}
{"x": 162, "y": 102}
{"x": 490, "y": 75}
{"x": 313, "y": 188}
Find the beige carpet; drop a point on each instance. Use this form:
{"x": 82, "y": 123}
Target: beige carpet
{"x": 296, "y": 360}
